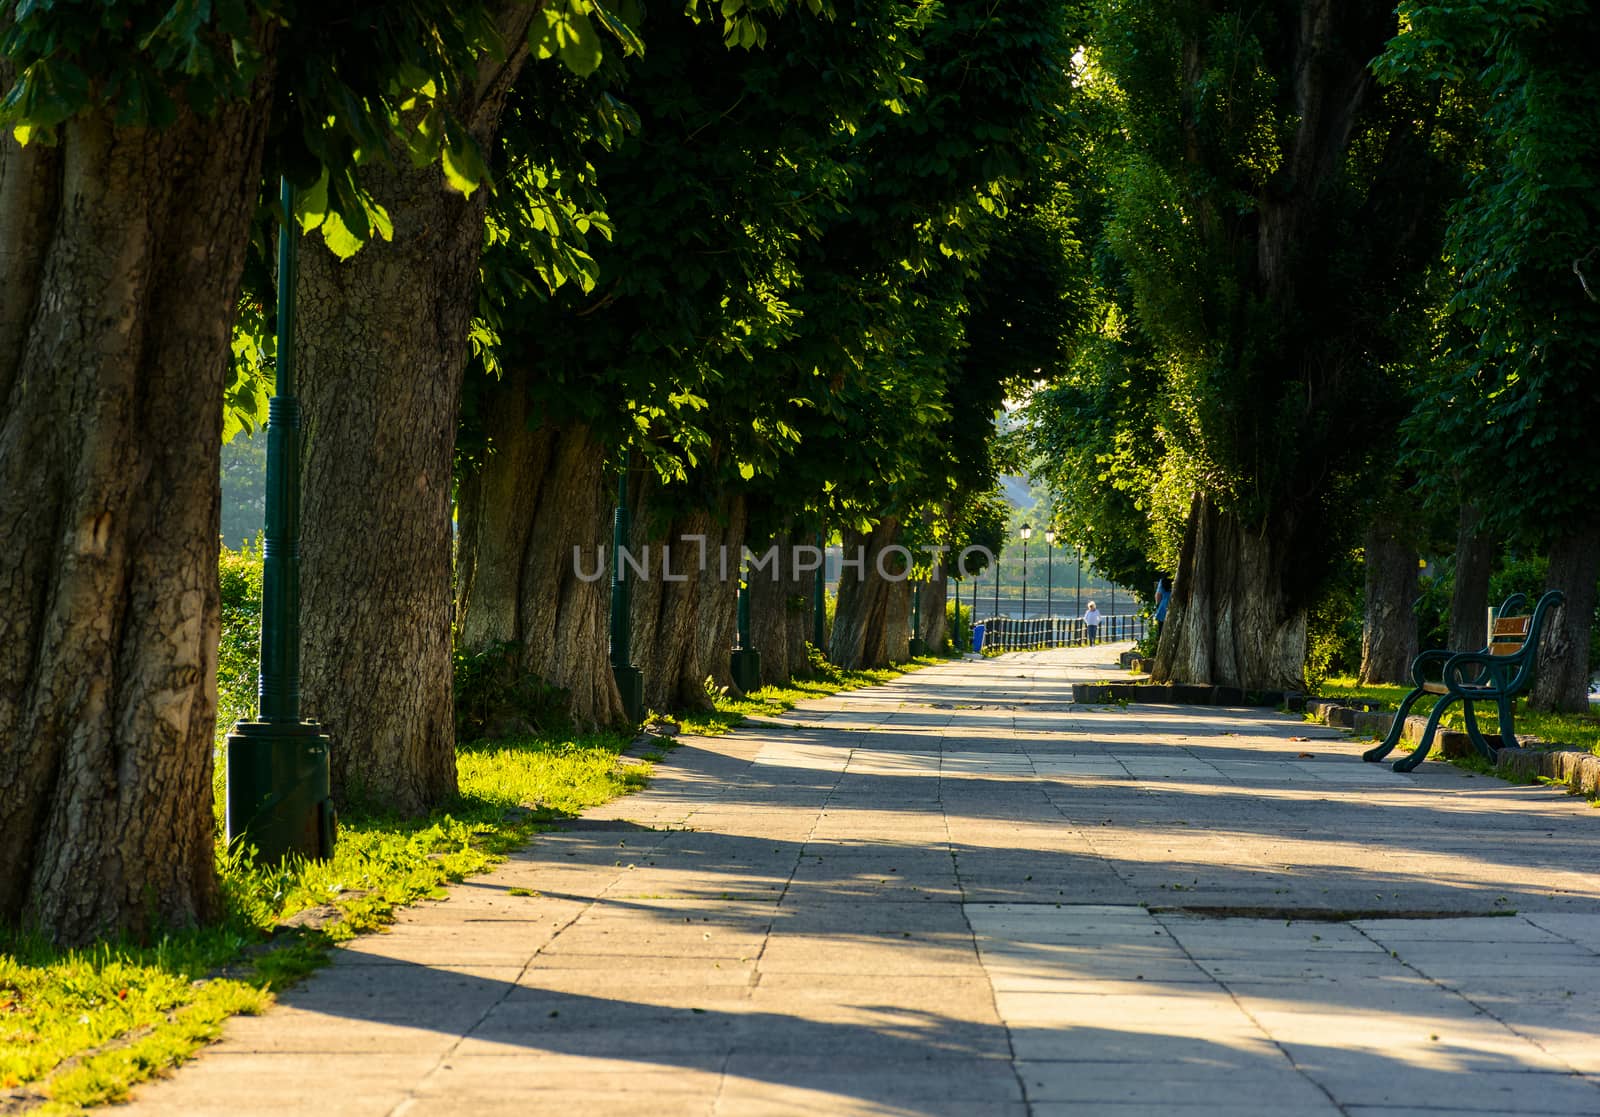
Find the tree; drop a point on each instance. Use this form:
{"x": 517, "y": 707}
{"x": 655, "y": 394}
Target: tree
{"x": 129, "y": 180}
{"x": 113, "y": 340}
{"x": 1272, "y": 215}
{"x": 386, "y": 341}
{"x": 1513, "y": 409}
{"x": 655, "y": 342}
{"x": 1389, "y": 636}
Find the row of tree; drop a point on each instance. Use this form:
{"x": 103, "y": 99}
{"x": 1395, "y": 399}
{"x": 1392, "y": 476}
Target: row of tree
{"x": 1341, "y": 274}
{"x": 774, "y": 269}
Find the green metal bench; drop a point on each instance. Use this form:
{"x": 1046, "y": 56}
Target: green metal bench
{"x": 1498, "y": 673}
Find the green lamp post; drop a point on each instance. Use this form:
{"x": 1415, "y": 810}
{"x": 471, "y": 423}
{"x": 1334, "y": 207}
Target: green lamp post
{"x": 917, "y": 646}
{"x": 746, "y": 664}
{"x": 630, "y": 679}
{"x": 819, "y": 604}
{"x": 279, "y": 795}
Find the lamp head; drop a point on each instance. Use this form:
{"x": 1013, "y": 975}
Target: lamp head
{"x": 1027, "y": 532}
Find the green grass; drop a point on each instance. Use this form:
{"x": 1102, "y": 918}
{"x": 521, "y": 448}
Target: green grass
{"x": 1571, "y": 731}
{"x": 770, "y": 701}
{"x": 78, "y": 1027}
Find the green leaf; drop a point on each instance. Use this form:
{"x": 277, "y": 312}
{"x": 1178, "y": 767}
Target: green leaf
{"x": 580, "y": 52}
{"x": 339, "y": 239}
{"x": 311, "y": 204}
{"x": 463, "y": 164}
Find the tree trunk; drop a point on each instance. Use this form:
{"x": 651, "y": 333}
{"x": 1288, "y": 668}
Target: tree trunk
{"x": 1469, "y": 597}
{"x": 383, "y": 345}
{"x": 781, "y": 608}
{"x": 535, "y": 516}
{"x": 870, "y": 623}
{"x": 935, "y": 603}
{"x": 1561, "y": 679}
{"x": 1229, "y": 622}
{"x": 897, "y": 625}
{"x": 685, "y": 607}
{"x": 1389, "y": 636}
{"x": 120, "y": 258}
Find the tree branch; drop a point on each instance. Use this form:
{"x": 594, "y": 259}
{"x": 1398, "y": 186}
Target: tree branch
{"x": 1577, "y": 271}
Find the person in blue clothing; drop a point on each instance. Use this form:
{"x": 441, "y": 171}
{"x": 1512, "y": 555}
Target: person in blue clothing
{"x": 1091, "y": 623}
{"x": 1163, "y": 599}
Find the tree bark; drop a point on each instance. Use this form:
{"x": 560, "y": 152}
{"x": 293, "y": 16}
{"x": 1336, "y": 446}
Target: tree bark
{"x": 121, "y": 251}
{"x": 1230, "y": 622}
{"x": 536, "y": 511}
{"x": 685, "y": 608}
{"x": 781, "y": 608}
{"x": 1389, "y": 635}
{"x": 1469, "y": 597}
{"x": 383, "y": 346}
{"x": 1561, "y": 679}
{"x": 871, "y": 622}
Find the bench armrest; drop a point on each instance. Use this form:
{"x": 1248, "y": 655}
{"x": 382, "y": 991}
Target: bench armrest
{"x": 1498, "y": 672}
{"x": 1424, "y": 660}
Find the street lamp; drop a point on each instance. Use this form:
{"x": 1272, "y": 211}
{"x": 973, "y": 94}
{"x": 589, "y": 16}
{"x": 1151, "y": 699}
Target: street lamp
{"x": 1049, "y": 582}
{"x": 1077, "y": 574}
{"x": 1026, "y": 533}
{"x": 630, "y": 679}
{"x": 278, "y": 765}
{"x": 997, "y": 588}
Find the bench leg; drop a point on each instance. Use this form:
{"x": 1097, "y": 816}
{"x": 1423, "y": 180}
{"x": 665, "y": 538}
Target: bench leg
{"x": 1475, "y": 734}
{"x": 1508, "y": 728}
{"x": 1384, "y": 747}
{"x": 1420, "y": 753}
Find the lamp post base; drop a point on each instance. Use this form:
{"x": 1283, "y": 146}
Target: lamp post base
{"x": 279, "y": 796}
{"x": 630, "y": 681}
{"x": 917, "y": 647}
{"x": 746, "y": 670}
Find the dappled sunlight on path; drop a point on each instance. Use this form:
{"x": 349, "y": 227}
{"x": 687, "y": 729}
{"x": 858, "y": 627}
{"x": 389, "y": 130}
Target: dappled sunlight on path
{"x": 959, "y": 893}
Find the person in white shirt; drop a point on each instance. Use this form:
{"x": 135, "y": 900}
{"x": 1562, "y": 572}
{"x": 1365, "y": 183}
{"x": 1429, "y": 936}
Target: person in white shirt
{"x": 1091, "y": 622}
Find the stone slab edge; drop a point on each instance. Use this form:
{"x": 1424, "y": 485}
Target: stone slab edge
{"x": 1099, "y": 694}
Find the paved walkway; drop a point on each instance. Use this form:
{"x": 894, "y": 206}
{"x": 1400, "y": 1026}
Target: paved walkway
{"x": 959, "y": 894}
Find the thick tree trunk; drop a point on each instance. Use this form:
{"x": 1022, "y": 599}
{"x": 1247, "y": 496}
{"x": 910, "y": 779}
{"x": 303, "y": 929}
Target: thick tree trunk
{"x": 780, "y": 608}
{"x": 1389, "y": 636}
{"x": 1561, "y": 680}
{"x": 685, "y": 606}
{"x": 1469, "y": 598}
{"x": 537, "y": 511}
{"x": 383, "y": 348}
{"x": 871, "y": 622}
{"x": 120, "y": 258}
{"x": 1230, "y": 622}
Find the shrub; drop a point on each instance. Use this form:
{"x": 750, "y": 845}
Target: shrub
{"x": 239, "y": 650}
{"x": 497, "y": 697}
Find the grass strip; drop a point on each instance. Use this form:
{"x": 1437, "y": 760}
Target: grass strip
{"x": 731, "y": 711}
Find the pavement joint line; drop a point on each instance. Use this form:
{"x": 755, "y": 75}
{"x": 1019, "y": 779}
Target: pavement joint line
{"x": 1250, "y": 1016}
{"x": 1445, "y": 987}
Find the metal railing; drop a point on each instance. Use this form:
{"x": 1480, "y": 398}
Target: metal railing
{"x": 1010, "y": 634}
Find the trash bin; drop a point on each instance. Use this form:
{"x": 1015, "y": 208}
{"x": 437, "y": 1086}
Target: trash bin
{"x": 977, "y": 637}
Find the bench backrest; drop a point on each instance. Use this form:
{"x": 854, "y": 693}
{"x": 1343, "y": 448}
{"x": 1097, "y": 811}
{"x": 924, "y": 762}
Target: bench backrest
{"x": 1509, "y": 635}
{"x": 1516, "y": 638}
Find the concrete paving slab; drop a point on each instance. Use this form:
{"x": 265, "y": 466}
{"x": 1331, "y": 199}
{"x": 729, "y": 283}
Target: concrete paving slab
{"x": 962, "y": 894}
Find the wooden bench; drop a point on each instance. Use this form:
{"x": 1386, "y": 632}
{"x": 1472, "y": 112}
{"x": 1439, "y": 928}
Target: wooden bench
{"x": 1498, "y": 673}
